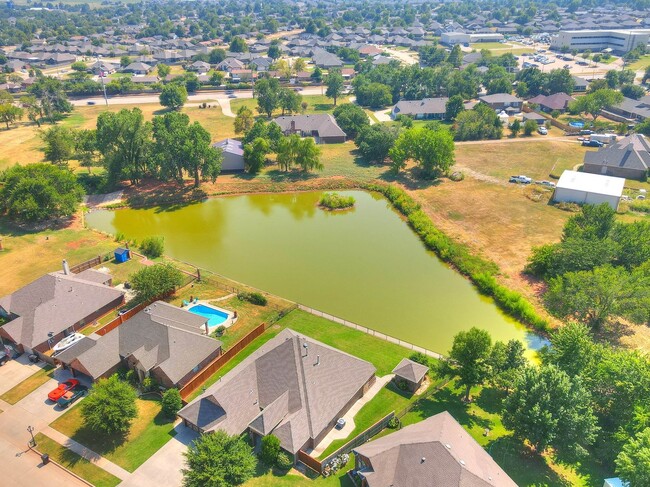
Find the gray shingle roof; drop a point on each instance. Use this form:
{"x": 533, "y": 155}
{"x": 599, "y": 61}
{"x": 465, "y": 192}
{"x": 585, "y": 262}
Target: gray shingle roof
{"x": 297, "y": 390}
{"x": 53, "y": 303}
{"x": 436, "y": 451}
{"x": 411, "y": 371}
{"x": 421, "y": 107}
{"x": 631, "y": 152}
{"x": 322, "y": 123}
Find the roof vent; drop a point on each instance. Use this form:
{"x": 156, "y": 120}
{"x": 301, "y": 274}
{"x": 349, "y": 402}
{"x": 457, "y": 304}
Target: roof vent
{"x": 423, "y": 459}
{"x": 462, "y": 462}
{"x": 448, "y": 446}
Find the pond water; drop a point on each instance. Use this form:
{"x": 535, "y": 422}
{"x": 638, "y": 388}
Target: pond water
{"x": 364, "y": 265}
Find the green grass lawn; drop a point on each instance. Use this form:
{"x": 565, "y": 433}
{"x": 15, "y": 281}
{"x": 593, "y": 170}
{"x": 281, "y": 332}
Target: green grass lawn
{"x": 75, "y": 463}
{"x": 642, "y": 63}
{"x": 148, "y": 433}
{"x": 316, "y": 104}
{"x": 29, "y": 385}
{"x": 296, "y": 479}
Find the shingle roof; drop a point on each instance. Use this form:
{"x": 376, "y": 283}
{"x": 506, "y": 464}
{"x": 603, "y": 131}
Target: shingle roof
{"x": 411, "y": 371}
{"x": 421, "y": 107}
{"x": 557, "y": 101}
{"x": 298, "y": 390}
{"x": 231, "y": 146}
{"x": 631, "y": 152}
{"x": 323, "y": 123}
{"x": 53, "y": 303}
{"x": 436, "y": 451}
{"x": 500, "y": 98}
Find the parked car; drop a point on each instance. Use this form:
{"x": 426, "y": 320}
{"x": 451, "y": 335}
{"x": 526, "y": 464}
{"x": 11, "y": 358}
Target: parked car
{"x": 592, "y": 143}
{"x": 7, "y": 352}
{"x": 520, "y": 179}
{"x": 72, "y": 395}
{"x": 547, "y": 183}
{"x": 542, "y": 130}
{"x": 62, "y": 388}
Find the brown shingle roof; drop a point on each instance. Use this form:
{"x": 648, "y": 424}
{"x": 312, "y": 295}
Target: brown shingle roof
{"x": 411, "y": 371}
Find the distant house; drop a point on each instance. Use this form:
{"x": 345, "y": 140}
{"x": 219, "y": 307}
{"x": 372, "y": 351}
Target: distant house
{"x": 138, "y": 68}
{"x": 145, "y": 80}
{"x": 536, "y": 117}
{"x": 55, "y": 305}
{"x": 586, "y": 188}
{"x": 410, "y": 373}
{"x": 425, "y": 109}
{"x": 434, "y": 452}
{"x": 502, "y": 101}
{"x": 581, "y": 84}
{"x": 633, "y": 110}
{"x": 162, "y": 341}
{"x": 557, "y": 101}
{"x": 237, "y": 75}
{"x": 322, "y": 127}
{"x": 261, "y": 63}
{"x": 326, "y": 60}
{"x": 369, "y": 51}
{"x": 233, "y": 154}
{"x": 628, "y": 158}
{"x": 199, "y": 66}
{"x": 293, "y": 387}
{"x": 229, "y": 64}
{"x": 99, "y": 67}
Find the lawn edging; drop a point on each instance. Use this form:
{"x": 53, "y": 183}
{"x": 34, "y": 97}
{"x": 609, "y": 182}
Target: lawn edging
{"x": 481, "y": 271}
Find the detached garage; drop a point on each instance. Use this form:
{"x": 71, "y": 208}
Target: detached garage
{"x": 591, "y": 189}
{"x": 233, "y": 154}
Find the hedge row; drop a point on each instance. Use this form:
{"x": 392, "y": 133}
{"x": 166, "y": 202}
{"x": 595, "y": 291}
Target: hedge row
{"x": 481, "y": 271}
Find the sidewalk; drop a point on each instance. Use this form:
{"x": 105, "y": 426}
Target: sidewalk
{"x": 86, "y": 453}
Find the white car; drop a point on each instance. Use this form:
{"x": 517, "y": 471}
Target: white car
{"x": 542, "y": 130}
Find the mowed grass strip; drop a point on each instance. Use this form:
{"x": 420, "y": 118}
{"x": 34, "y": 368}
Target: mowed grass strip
{"x": 75, "y": 463}
{"x": 148, "y": 433}
{"x": 29, "y": 385}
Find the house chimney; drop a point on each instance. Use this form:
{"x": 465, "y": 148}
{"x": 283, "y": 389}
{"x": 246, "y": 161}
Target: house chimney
{"x": 66, "y": 267}
{"x": 293, "y": 126}
{"x": 317, "y": 360}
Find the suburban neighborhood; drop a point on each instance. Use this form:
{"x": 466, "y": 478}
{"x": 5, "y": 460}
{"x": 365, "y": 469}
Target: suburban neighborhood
{"x": 358, "y": 244}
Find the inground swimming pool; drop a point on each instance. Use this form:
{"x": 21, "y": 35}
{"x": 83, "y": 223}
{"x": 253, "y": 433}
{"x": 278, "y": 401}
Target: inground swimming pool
{"x": 577, "y": 124}
{"x": 215, "y": 316}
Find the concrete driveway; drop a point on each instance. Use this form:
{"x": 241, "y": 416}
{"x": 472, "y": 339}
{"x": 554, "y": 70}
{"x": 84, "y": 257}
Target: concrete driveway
{"x": 15, "y": 371}
{"x": 164, "y": 467}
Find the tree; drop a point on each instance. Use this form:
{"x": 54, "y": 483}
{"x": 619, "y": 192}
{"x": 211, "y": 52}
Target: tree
{"x": 505, "y": 361}
{"x": 124, "y": 141}
{"x": 218, "y": 460}
{"x": 632, "y": 91}
{"x": 110, "y": 406}
{"x": 217, "y": 55}
{"x": 335, "y": 83}
{"x": 559, "y": 81}
{"x": 515, "y": 127}
{"x": 267, "y": 92}
{"x": 53, "y": 99}
{"x": 289, "y": 101}
{"x": 375, "y": 141}
{"x": 317, "y": 74}
{"x": 173, "y": 96}
{"x": 351, "y": 118}
{"x": 125, "y": 61}
{"x": 237, "y": 44}
{"x": 469, "y": 358}
{"x": 593, "y": 103}
{"x": 274, "y": 51}
{"x": 255, "y": 154}
{"x": 244, "y": 120}
{"x": 156, "y": 281}
{"x": 270, "y": 449}
{"x": 453, "y": 107}
{"x": 169, "y": 145}
{"x": 479, "y": 123}
{"x": 171, "y": 402}
{"x": 59, "y": 144}
{"x": 10, "y": 114}
{"x": 572, "y": 349}
{"x": 529, "y": 127}
{"x": 549, "y": 409}
{"x": 633, "y": 462}
{"x": 299, "y": 65}
{"x": 216, "y": 78}
{"x": 202, "y": 160}
{"x": 455, "y": 57}
{"x": 33, "y": 107}
{"x": 38, "y": 192}
{"x": 308, "y": 155}
{"x": 596, "y": 295}
{"x": 373, "y": 95}
{"x": 85, "y": 147}
{"x": 431, "y": 150}
{"x": 163, "y": 70}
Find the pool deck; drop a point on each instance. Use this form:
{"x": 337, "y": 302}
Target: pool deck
{"x": 231, "y": 320}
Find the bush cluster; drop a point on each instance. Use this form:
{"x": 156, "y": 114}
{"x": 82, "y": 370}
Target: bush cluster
{"x": 153, "y": 246}
{"x": 253, "y": 297}
{"x": 478, "y": 269}
{"x": 334, "y": 201}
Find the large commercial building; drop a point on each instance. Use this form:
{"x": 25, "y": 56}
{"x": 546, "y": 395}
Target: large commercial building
{"x": 619, "y": 41}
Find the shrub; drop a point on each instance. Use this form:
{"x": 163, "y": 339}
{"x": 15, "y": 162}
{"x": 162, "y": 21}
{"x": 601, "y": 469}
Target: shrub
{"x": 253, "y": 297}
{"x": 220, "y": 330}
{"x": 270, "y": 449}
{"x": 171, "y": 402}
{"x": 155, "y": 281}
{"x": 283, "y": 462}
{"x": 334, "y": 201}
{"x": 148, "y": 384}
{"x": 153, "y": 246}
{"x": 393, "y": 423}
{"x": 457, "y": 176}
{"x": 420, "y": 358}
{"x": 130, "y": 376}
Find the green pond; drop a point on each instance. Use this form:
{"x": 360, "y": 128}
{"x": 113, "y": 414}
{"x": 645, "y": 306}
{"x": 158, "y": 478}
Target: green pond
{"x": 364, "y": 264}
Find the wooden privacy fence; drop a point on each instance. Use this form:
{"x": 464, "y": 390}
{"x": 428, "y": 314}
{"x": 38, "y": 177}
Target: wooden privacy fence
{"x": 111, "y": 325}
{"x": 310, "y": 461}
{"x": 204, "y": 374}
{"x": 89, "y": 264}
{"x": 551, "y": 120}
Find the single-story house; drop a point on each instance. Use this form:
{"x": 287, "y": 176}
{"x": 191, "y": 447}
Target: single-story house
{"x": 586, "y": 188}
{"x": 321, "y": 126}
{"x": 138, "y": 68}
{"x": 293, "y": 387}
{"x": 503, "y": 101}
{"x": 536, "y": 117}
{"x": 54, "y": 306}
{"x": 637, "y": 110}
{"x": 229, "y": 64}
{"x": 233, "y": 154}
{"x": 580, "y": 85}
{"x": 145, "y": 80}
{"x": 410, "y": 373}
{"x": 199, "y": 67}
{"x": 425, "y": 109}
{"x": 557, "y": 101}
{"x": 627, "y": 158}
{"x": 434, "y": 452}
{"x": 242, "y": 74}
{"x": 326, "y": 60}
{"x": 162, "y": 341}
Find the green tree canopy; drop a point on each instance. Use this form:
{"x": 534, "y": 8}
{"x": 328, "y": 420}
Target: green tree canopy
{"x": 255, "y": 154}
{"x": 244, "y": 120}
{"x": 593, "y": 103}
{"x": 59, "y": 144}
{"x": 155, "y": 281}
{"x": 54, "y": 102}
{"x": 453, "y": 107}
{"x": 173, "y": 96}
{"x": 373, "y": 95}
{"x": 39, "y": 192}
{"x": 351, "y": 118}
{"x": 334, "y": 82}
{"x": 110, "y": 406}
{"x": 633, "y": 463}
{"x": 237, "y": 44}
{"x": 431, "y": 150}
{"x": 469, "y": 358}
{"x": 267, "y": 92}
{"x": 171, "y": 402}
{"x": 375, "y": 141}
{"x": 218, "y": 460}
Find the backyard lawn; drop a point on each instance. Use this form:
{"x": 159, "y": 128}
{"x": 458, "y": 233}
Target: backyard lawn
{"x": 316, "y": 104}
{"x": 29, "y": 385}
{"x": 75, "y": 463}
{"x": 148, "y": 433}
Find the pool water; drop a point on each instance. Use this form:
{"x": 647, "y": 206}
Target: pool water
{"x": 215, "y": 317}
{"x": 577, "y": 125}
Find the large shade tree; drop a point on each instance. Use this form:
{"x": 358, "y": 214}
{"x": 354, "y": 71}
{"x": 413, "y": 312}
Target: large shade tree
{"x": 110, "y": 407}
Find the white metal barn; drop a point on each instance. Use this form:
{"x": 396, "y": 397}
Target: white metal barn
{"x": 233, "y": 154}
{"x": 586, "y": 188}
